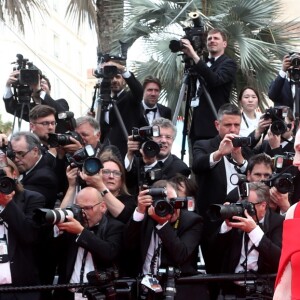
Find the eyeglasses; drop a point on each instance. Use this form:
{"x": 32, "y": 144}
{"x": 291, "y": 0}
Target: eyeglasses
{"x": 167, "y": 137}
{"x": 46, "y": 123}
{"x": 19, "y": 154}
{"x": 89, "y": 207}
{"x": 114, "y": 173}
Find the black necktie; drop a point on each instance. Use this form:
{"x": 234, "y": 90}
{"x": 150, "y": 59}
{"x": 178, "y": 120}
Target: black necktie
{"x": 147, "y": 110}
{"x": 210, "y": 59}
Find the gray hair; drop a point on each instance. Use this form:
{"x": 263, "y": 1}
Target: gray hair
{"x": 165, "y": 123}
{"x": 32, "y": 139}
{"x": 88, "y": 119}
{"x": 262, "y": 191}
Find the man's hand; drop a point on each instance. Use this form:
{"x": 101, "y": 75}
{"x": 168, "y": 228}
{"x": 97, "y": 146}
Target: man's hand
{"x": 263, "y": 124}
{"x": 132, "y": 146}
{"x": 144, "y": 201}
{"x": 279, "y": 200}
{"x": 72, "y": 174}
{"x": 225, "y": 147}
{"x": 247, "y": 224}
{"x": 71, "y": 148}
{"x": 286, "y": 63}
{"x": 189, "y": 50}
{"x": 274, "y": 140}
{"x": 71, "y": 226}
{"x": 13, "y": 78}
{"x": 3, "y": 140}
{"x": 120, "y": 67}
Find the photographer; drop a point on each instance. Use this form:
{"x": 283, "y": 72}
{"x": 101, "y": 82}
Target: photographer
{"x": 166, "y": 240}
{"x": 258, "y": 248}
{"x": 218, "y": 75}
{"x": 168, "y": 163}
{"x": 128, "y": 104}
{"x": 18, "y": 234}
{"x": 283, "y": 89}
{"x": 93, "y": 244}
{"x": 40, "y": 94}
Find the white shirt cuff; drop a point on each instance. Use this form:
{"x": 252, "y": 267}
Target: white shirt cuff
{"x": 137, "y": 216}
{"x": 256, "y": 235}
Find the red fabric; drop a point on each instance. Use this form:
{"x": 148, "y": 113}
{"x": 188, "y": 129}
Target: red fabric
{"x": 291, "y": 252}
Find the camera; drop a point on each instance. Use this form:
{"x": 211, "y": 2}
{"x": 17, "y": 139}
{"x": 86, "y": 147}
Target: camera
{"x": 277, "y": 115}
{"x": 282, "y": 162}
{"x": 58, "y": 215}
{"x": 85, "y": 159}
{"x": 241, "y": 141}
{"x": 63, "y": 139}
{"x": 218, "y": 212}
{"x": 144, "y": 135}
{"x": 194, "y": 34}
{"x": 282, "y": 181}
{"x": 68, "y": 120}
{"x": 7, "y": 184}
{"x": 295, "y": 59}
{"x": 163, "y": 206}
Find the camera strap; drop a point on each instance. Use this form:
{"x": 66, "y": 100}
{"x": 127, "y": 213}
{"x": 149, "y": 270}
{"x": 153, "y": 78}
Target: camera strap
{"x": 83, "y": 265}
{"x": 156, "y": 254}
{"x": 244, "y": 118}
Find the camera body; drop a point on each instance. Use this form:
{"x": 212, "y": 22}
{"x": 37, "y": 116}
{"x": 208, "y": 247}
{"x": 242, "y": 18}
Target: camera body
{"x": 282, "y": 181}
{"x": 241, "y": 181}
{"x": 195, "y": 35}
{"x": 85, "y": 160}
{"x": 218, "y": 212}
{"x": 63, "y": 139}
{"x": 7, "y": 184}
{"x": 277, "y": 115}
{"x": 295, "y": 59}
{"x": 58, "y": 215}
{"x": 163, "y": 206}
{"x": 144, "y": 135}
{"x": 241, "y": 141}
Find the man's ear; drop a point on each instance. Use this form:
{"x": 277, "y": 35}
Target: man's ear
{"x": 248, "y": 175}
{"x": 217, "y": 124}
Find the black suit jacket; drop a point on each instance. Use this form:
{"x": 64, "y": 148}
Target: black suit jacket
{"x": 164, "y": 112}
{"x": 60, "y": 105}
{"x": 280, "y": 92}
{"x": 105, "y": 246}
{"x": 22, "y": 236}
{"x": 218, "y": 79}
{"x": 42, "y": 179}
{"x": 269, "y": 247}
{"x": 129, "y": 106}
{"x": 179, "y": 246}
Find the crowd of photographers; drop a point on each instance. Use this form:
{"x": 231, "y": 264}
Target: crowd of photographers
{"x": 102, "y": 197}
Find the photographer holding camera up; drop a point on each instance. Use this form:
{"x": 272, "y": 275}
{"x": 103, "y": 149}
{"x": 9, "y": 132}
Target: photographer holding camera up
{"x": 93, "y": 243}
{"x": 282, "y": 90}
{"x": 251, "y": 242}
{"x": 35, "y": 89}
{"x": 164, "y": 236}
{"x": 218, "y": 74}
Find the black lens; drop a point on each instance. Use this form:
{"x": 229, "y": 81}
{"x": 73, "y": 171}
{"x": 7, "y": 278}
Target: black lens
{"x": 150, "y": 148}
{"x": 278, "y": 127}
{"x": 221, "y": 212}
{"x": 7, "y": 185}
{"x": 162, "y": 208}
{"x": 92, "y": 166}
{"x": 175, "y": 46}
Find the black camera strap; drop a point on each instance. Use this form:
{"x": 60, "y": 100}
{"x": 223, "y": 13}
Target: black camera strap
{"x": 156, "y": 254}
{"x": 244, "y": 118}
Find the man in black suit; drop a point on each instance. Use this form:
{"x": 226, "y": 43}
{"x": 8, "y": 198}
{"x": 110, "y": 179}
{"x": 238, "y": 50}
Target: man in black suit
{"x": 152, "y": 109}
{"x": 128, "y": 104}
{"x": 18, "y": 234}
{"x": 168, "y": 163}
{"x": 35, "y": 172}
{"x": 165, "y": 240}
{"x": 250, "y": 243}
{"x": 217, "y": 75}
{"x": 40, "y": 95}
{"x": 283, "y": 89}
{"x": 94, "y": 243}
{"x": 214, "y": 161}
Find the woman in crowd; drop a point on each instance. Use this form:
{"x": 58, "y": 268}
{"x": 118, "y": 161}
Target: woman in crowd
{"x": 249, "y": 100}
{"x": 110, "y": 182}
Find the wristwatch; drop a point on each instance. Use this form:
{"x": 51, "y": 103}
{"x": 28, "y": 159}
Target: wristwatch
{"x": 104, "y": 192}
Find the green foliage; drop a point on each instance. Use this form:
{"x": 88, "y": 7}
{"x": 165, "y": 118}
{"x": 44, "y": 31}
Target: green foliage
{"x": 5, "y": 127}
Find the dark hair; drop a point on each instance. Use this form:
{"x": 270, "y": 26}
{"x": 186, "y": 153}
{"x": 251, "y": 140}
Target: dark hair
{"x": 246, "y": 88}
{"x": 228, "y": 109}
{"x": 41, "y": 111}
{"x": 217, "y": 30}
{"x": 190, "y": 184}
{"x": 106, "y": 156}
{"x": 260, "y": 158}
{"x": 151, "y": 79}
{"x": 48, "y": 81}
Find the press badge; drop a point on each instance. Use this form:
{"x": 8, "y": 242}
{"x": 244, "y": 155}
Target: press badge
{"x": 3, "y": 250}
{"x": 152, "y": 283}
{"x": 195, "y": 102}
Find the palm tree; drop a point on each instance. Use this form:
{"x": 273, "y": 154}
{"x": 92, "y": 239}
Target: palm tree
{"x": 257, "y": 40}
